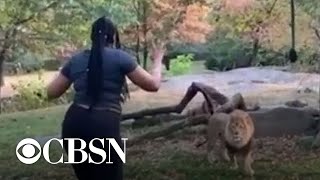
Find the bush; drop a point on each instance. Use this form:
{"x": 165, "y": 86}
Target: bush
{"x": 32, "y": 95}
{"x": 29, "y": 63}
{"x": 51, "y": 65}
{"x": 10, "y": 68}
{"x": 181, "y": 64}
{"x": 227, "y": 54}
{"x": 308, "y": 60}
{"x": 200, "y": 51}
{"x": 269, "y": 57}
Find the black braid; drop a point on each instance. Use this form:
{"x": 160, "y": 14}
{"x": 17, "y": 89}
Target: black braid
{"x": 102, "y": 34}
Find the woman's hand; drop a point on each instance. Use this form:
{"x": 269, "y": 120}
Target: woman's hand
{"x": 157, "y": 52}
{"x": 150, "y": 81}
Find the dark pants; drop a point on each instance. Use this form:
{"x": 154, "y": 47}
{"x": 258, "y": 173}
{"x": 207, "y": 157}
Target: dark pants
{"x": 87, "y": 125}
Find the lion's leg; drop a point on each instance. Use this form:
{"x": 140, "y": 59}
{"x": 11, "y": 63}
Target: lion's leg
{"x": 211, "y": 156}
{"x": 247, "y": 161}
{"x": 235, "y": 162}
{"x": 217, "y": 150}
{"x": 225, "y": 154}
{"x": 211, "y": 148}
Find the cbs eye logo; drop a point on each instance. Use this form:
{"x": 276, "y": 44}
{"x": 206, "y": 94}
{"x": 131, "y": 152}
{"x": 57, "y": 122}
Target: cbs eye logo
{"x": 28, "y": 151}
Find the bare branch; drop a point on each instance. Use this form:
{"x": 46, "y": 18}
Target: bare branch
{"x": 316, "y": 31}
{"x": 269, "y": 11}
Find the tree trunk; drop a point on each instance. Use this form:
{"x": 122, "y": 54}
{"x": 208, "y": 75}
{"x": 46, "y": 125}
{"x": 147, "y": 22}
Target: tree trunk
{"x": 145, "y": 31}
{"x": 292, "y": 53}
{"x": 255, "y": 51}
{"x": 3, "y": 53}
{"x": 138, "y": 46}
{"x": 138, "y": 8}
{"x": 1, "y": 72}
{"x": 292, "y": 25}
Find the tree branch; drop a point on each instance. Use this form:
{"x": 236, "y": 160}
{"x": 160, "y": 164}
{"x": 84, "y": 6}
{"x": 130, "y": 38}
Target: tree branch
{"x": 31, "y": 17}
{"x": 269, "y": 11}
{"x": 316, "y": 31}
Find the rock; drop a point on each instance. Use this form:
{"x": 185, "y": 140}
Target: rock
{"x": 296, "y": 104}
{"x": 313, "y": 111}
{"x": 234, "y": 82}
{"x": 307, "y": 90}
{"x": 282, "y": 121}
{"x": 258, "y": 81}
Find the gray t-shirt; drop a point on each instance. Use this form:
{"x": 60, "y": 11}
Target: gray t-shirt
{"x": 116, "y": 64}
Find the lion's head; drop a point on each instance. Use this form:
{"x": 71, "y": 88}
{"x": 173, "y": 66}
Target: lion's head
{"x": 239, "y": 129}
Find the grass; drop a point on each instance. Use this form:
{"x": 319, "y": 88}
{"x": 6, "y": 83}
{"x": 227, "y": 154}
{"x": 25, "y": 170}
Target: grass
{"x": 171, "y": 163}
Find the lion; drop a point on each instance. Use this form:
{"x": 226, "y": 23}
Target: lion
{"x": 231, "y": 135}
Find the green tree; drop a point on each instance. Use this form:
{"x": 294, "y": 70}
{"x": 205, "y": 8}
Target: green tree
{"x": 42, "y": 26}
{"x": 312, "y": 7}
{"x": 250, "y": 20}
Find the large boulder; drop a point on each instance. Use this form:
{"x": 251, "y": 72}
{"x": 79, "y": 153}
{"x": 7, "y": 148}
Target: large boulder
{"x": 282, "y": 121}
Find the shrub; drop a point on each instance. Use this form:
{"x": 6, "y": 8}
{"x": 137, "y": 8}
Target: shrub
{"x": 228, "y": 53}
{"x": 269, "y": 57}
{"x": 308, "y": 60}
{"x": 200, "y": 51}
{"x": 32, "y": 95}
{"x": 10, "y": 68}
{"x": 52, "y": 65}
{"x": 212, "y": 64}
{"x": 181, "y": 64}
{"x": 29, "y": 63}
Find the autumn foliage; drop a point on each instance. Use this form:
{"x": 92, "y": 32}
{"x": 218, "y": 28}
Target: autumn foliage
{"x": 171, "y": 20}
{"x": 194, "y": 27}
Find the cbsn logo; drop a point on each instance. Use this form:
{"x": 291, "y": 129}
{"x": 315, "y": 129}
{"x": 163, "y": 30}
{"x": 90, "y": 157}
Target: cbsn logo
{"x": 29, "y": 157}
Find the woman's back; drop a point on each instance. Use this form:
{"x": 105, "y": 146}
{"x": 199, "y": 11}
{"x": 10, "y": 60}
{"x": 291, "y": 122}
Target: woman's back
{"x": 116, "y": 64}
{"x": 98, "y": 76}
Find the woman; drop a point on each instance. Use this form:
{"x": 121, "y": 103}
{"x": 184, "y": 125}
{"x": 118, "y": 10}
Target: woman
{"x": 98, "y": 76}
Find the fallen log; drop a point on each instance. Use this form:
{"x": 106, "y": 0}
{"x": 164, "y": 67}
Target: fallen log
{"x": 212, "y": 96}
{"x": 215, "y": 101}
{"x": 235, "y": 102}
